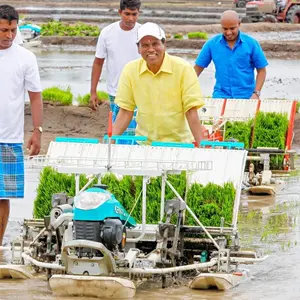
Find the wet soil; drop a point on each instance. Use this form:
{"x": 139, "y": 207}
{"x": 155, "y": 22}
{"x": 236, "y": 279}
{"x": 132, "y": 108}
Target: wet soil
{"x": 69, "y": 121}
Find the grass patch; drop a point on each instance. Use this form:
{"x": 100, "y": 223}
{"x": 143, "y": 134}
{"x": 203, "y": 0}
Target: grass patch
{"x": 178, "y": 36}
{"x": 56, "y": 28}
{"x": 198, "y": 35}
{"x": 58, "y": 95}
{"x": 85, "y": 99}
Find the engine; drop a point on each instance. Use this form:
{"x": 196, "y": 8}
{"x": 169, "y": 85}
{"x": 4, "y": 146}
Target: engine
{"x": 109, "y": 232}
{"x": 99, "y": 217}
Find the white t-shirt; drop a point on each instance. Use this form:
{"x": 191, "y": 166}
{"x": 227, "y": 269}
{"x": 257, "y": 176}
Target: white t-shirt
{"x": 18, "y": 39}
{"x": 117, "y": 47}
{"x": 19, "y": 72}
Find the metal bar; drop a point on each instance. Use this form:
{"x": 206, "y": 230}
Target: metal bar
{"x": 109, "y": 133}
{"x": 238, "y": 195}
{"x": 42, "y": 264}
{"x": 162, "y": 200}
{"x": 144, "y": 212}
{"x": 197, "y": 266}
{"x": 193, "y": 215}
{"x": 77, "y": 183}
{"x": 87, "y": 184}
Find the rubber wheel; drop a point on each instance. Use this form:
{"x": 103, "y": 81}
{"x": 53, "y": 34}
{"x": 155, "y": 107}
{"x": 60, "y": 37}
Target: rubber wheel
{"x": 293, "y": 15}
{"x": 270, "y": 19}
{"x": 246, "y": 20}
{"x": 241, "y": 4}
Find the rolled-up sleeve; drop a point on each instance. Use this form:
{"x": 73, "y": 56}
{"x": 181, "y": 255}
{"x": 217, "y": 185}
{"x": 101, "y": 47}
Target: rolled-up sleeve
{"x": 124, "y": 97}
{"x": 191, "y": 92}
{"x": 204, "y": 58}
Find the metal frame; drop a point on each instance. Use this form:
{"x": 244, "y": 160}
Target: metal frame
{"x": 98, "y": 167}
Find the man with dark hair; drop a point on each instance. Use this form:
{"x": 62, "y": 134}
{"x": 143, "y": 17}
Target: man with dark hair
{"x": 165, "y": 90}
{"x": 18, "y": 72}
{"x": 116, "y": 45}
{"x": 235, "y": 55}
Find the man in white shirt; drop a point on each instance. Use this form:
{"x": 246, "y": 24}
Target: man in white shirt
{"x": 18, "y": 72}
{"x": 117, "y": 46}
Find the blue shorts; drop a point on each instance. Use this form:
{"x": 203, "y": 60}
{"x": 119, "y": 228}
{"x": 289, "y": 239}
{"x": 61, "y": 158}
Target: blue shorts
{"x": 132, "y": 126}
{"x": 11, "y": 171}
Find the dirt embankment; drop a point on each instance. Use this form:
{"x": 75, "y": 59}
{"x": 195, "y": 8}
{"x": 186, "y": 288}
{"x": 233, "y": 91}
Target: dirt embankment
{"x": 280, "y": 49}
{"x": 216, "y": 28}
{"x": 73, "y": 121}
{"x": 115, "y": 4}
{"x": 69, "y": 121}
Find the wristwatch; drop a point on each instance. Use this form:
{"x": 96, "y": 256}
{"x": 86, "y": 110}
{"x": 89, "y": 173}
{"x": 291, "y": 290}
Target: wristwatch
{"x": 256, "y": 93}
{"x": 39, "y": 128}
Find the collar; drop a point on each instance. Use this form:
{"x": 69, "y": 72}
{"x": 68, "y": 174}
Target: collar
{"x": 239, "y": 39}
{"x": 165, "y": 67}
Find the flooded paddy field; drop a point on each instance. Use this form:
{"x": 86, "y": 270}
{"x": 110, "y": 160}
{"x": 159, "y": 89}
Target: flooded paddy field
{"x": 269, "y": 225}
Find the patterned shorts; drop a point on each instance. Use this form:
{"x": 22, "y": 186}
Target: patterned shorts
{"x": 11, "y": 171}
{"x": 132, "y": 126}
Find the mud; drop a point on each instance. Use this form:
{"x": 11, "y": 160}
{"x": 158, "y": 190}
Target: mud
{"x": 69, "y": 121}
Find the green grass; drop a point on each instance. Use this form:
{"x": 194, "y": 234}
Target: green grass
{"x": 198, "y": 35}
{"x": 178, "y": 36}
{"x": 59, "y": 95}
{"x": 85, "y": 99}
{"x": 56, "y": 28}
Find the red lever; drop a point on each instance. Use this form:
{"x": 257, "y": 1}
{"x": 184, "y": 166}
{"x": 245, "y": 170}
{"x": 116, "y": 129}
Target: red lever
{"x": 109, "y": 128}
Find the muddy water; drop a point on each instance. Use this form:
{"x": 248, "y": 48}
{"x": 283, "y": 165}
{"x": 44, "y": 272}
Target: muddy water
{"x": 268, "y": 224}
{"x": 74, "y": 70}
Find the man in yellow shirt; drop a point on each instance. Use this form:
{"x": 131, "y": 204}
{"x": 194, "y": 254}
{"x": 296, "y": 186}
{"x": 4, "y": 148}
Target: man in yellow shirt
{"x": 165, "y": 90}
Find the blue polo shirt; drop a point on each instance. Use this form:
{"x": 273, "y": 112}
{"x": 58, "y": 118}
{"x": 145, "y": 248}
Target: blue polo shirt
{"x": 234, "y": 67}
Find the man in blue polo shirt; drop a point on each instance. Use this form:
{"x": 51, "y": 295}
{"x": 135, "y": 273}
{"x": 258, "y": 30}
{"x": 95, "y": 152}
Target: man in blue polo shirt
{"x": 235, "y": 56}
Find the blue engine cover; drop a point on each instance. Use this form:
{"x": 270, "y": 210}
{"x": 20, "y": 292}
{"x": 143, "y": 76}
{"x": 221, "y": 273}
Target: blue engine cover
{"x": 99, "y": 210}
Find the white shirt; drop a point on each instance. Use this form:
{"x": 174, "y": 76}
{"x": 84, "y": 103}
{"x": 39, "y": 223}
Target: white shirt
{"x": 19, "y": 72}
{"x": 18, "y": 39}
{"x": 117, "y": 47}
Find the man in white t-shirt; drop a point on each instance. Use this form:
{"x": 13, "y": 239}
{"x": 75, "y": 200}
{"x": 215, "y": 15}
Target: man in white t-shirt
{"x": 117, "y": 46}
{"x": 18, "y": 72}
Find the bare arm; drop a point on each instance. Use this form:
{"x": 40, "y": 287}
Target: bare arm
{"x": 36, "y": 104}
{"x": 123, "y": 119}
{"x": 194, "y": 123}
{"x": 96, "y": 73}
{"x": 198, "y": 70}
{"x": 260, "y": 80}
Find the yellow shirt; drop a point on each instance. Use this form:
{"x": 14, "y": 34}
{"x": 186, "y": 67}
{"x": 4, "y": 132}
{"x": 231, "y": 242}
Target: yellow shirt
{"x": 162, "y": 99}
